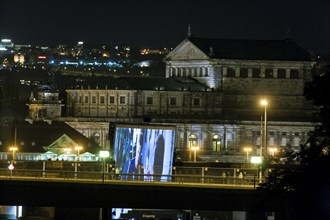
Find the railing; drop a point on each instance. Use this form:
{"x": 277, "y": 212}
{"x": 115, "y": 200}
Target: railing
{"x": 105, "y": 177}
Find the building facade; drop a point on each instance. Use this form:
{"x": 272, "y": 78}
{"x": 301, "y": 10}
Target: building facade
{"x": 211, "y": 92}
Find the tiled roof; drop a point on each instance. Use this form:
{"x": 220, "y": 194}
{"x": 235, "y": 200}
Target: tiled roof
{"x": 285, "y": 50}
{"x": 41, "y": 134}
{"x": 142, "y": 83}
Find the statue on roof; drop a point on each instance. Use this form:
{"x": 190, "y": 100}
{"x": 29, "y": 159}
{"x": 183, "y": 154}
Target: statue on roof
{"x": 189, "y": 34}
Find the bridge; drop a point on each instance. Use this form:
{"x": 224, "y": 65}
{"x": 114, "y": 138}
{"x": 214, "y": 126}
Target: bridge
{"x": 59, "y": 188}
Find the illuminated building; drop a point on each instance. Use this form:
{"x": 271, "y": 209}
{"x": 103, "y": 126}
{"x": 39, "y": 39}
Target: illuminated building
{"x": 211, "y": 92}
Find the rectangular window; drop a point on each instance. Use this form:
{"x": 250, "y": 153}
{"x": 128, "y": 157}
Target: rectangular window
{"x": 111, "y": 99}
{"x": 102, "y": 100}
{"x": 172, "y": 101}
{"x": 122, "y": 100}
{"x": 80, "y": 99}
{"x": 149, "y": 100}
{"x": 196, "y": 102}
{"x": 86, "y": 99}
{"x": 244, "y": 72}
{"x": 281, "y": 73}
{"x": 256, "y": 73}
{"x": 93, "y": 99}
{"x": 231, "y": 72}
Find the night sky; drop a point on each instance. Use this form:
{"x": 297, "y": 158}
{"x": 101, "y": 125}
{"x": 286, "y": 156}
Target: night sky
{"x": 163, "y": 23}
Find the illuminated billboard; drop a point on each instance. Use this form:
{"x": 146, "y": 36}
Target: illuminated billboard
{"x": 144, "y": 149}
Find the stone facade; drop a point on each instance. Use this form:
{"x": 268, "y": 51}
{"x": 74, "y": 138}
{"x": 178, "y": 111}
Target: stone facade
{"x": 46, "y": 105}
{"x": 224, "y": 116}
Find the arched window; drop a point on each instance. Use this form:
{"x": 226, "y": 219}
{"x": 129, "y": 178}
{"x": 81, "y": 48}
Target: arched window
{"x": 283, "y": 142}
{"x": 193, "y": 141}
{"x": 96, "y": 137}
{"x": 271, "y": 141}
{"x": 258, "y": 141}
{"x": 296, "y": 142}
{"x": 216, "y": 143}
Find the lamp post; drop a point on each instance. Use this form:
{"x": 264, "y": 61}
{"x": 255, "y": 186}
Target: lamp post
{"x": 247, "y": 150}
{"x": 13, "y": 149}
{"x": 104, "y": 154}
{"x": 264, "y": 103}
{"x": 195, "y": 149}
{"x": 263, "y": 135}
{"x": 78, "y": 148}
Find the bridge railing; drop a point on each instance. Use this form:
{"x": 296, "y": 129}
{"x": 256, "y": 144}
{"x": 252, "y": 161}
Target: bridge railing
{"x": 60, "y": 175}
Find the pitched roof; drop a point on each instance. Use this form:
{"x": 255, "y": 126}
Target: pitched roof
{"x": 284, "y": 50}
{"x": 41, "y": 134}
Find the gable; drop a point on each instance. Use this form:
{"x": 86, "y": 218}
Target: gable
{"x": 186, "y": 50}
{"x": 61, "y": 143}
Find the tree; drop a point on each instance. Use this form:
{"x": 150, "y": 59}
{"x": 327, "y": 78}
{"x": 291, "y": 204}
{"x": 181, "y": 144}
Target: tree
{"x": 304, "y": 177}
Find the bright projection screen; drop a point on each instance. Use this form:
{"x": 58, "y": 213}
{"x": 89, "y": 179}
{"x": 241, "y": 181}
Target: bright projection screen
{"x": 144, "y": 149}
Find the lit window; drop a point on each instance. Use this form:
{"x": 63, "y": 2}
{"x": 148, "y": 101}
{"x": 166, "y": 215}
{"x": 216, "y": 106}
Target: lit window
{"x": 216, "y": 143}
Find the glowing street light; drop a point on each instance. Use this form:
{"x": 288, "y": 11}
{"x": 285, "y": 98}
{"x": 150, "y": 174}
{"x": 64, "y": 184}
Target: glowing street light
{"x": 247, "y": 150}
{"x": 195, "y": 149}
{"x": 13, "y": 149}
{"x": 273, "y": 150}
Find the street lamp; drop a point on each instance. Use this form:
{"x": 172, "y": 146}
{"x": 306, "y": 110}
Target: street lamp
{"x": 13, "y": 149}
{"x": 78, "y": 148}
{"x": 247, "y": 150}
{"x": 273, "y": 150}
{"x": 104, "y": 154}
{"x": 195, "y": 149}
{"x": 264, "y": 103}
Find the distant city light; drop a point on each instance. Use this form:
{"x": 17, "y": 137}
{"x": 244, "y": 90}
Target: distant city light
{"x": 5, "y": 40}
